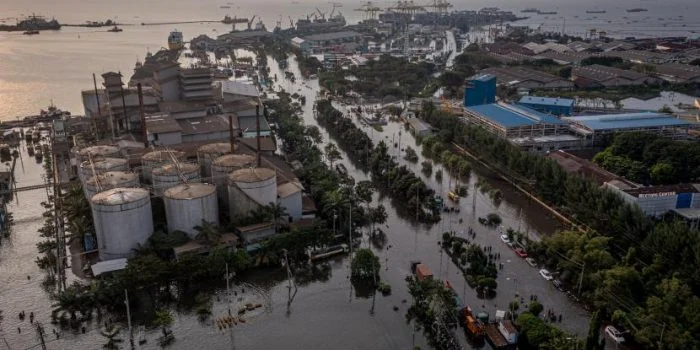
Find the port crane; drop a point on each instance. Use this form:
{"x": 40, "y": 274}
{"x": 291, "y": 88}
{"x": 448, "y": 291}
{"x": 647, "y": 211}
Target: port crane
{"x": 335, "y": 6}
{"x": 407, "y": 7}
{"x": 370, "y": 10}
{"x": 440, "y": 6}
{"x": 322, "y": 14}
{"x": 250, "y": 23}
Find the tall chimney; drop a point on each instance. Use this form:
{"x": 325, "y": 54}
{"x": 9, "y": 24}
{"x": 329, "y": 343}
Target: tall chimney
{"x": 232, "y": 137}
{"x": 143, "y": 116}
{"x": 257, "y": 125}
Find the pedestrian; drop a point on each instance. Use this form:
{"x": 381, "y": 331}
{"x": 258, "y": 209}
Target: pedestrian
{"x": 559, "y": 317}
{"x": 19, "y": 330}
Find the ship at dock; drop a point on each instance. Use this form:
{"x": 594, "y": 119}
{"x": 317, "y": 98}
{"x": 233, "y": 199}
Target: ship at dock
{"x": 33, "y": 23}
{"x": 317, "y": 21}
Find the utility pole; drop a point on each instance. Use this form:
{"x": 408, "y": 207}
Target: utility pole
{"x": 232, "y": 137}
{"x": 40, "y": 333}
{"x": 580, "y": 280}
{"x": 143, "y": 116}
{"x": 126, "y": 117}
{"x": 257, "y": 126}
{"x": 128, "y": 318}
{"x": 97, "y": 96}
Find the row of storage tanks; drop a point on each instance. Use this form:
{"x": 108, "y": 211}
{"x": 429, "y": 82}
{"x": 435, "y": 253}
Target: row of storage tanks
{"x": 121, "y": 206}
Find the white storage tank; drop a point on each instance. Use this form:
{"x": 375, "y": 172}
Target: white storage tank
{"x": 98, "y": 151}
{"x": 208, "y": 153}
{"x": 186, "y": 205}
{"x": 251, "y": 188}
{"x": 123, "y": 220}
{"x": 223, "y": 166}
{"x": 102, "y": 165}
{"x": 152, "y": 160}
{"x": 110, "y": 180}
{"x": 170, "y": 175}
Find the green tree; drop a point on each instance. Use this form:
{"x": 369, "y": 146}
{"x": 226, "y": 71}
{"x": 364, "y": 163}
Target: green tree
{"x": 663, "y": 173}
{"x": 332, "y": 153}
{"x": 365, "y": 266}
{"x": 535, "y": 307}
{"x": 593, "y": 339}
{"x": 208, "y": 232}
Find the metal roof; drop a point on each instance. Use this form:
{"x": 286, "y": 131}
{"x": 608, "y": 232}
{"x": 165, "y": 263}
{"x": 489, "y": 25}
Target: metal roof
{"x": 190, "y": 191}
{"x": 108, "y": 266}
{"x": 239, "y": 88}
{"x": 332, "y": 36}
{"x": 547, "y": 101}
{"x": 484, "y": 77}
{"x": 509, "y": 116}
{"x": 628, "y": 121}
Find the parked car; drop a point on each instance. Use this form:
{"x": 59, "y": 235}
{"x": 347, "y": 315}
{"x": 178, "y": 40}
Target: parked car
{"x": 546, "y": 274}
{"x": 505, "y": 239}
{"x": 521, "y": 252}
{"x": 616, "y": 335}
{"x": 531, "y": 262}
{"x": 558, "y": 285}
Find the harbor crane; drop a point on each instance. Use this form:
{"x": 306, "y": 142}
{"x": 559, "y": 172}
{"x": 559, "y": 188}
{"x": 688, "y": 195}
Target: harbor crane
{"x": 370, "y": 10}
{"x": 335, "y": 6}
{"x": 407, "y": 7}
{"x": 322, "y": 14}
{"x": 250, "y": 23}
{"x": 440, "y": 6}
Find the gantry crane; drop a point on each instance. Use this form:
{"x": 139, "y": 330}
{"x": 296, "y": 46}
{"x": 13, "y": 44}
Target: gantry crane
{"x": 370, "y": 10}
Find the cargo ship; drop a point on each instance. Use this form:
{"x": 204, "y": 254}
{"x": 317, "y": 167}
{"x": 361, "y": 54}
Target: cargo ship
{"x": 596, "y": 11}
{"x": 530, "y": 10}
{"x": 547, "y": 12}
{"x": 637, "y": 10}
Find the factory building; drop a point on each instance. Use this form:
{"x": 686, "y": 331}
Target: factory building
{"x": 555, "y": 106}
{"x": 658, "y": 200}
{"x": 525, "y": 127}
{"x": 592, "y": 128}
{"x": 480, "y": 90}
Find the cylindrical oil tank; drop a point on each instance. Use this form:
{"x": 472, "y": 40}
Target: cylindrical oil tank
{"x": 101, "y": 166}
{"x": 123, "y": 220}
{"x": 208, "y": 153}
{"x": 98, "y": 151}
{"x": 110, "y": 180}
{"x": 170, "y": 175}
{"x": 251, "y": 188}
{"x": 223, "y": 166}
{"x": 186, "y": 205}
{"x": 152, "y": 160}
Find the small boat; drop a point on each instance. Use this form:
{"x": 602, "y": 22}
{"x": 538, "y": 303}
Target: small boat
{"x": 115, "y": 29}
{"x": 31, "y": 32}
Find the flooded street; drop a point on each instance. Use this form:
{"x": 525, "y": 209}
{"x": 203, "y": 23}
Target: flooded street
{"x": 326, "y": 311}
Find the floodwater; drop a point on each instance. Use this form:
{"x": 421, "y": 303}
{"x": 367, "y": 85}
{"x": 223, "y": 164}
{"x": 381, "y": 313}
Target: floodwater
{"x": 326, "y": 312}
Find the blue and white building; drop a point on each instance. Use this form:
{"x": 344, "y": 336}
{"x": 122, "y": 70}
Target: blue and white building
{"x": 593, "y": 128}
{"x": 551, "y": 105}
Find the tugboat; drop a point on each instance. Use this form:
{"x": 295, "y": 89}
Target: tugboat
{"x": 175, "y": 41}
{"x": 116, "y": 29}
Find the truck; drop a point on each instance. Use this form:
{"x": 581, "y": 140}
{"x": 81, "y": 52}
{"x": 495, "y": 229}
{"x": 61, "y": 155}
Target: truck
{"x": 422, "y": 272}
{"x": 508, "y": 331}
{"x": 472, "y": 325}
{"x": 495, "y": 338}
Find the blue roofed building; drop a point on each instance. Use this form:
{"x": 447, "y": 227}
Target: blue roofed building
{"x": 480, "y": 90}
{"x": 552, "y": 105}
{"x": 532, "y": 130}
{"x": 593, "y": 128}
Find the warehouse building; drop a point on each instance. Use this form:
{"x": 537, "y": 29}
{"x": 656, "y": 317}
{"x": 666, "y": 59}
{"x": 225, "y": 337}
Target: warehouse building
{"x": 679, "y": 73}
{"x": 658, "y": 200}
{"x": 525, "y": 127}
{"x": 556, "y": 106}
{"x": 523, "y": 78}
{"x": 603, "y": 76}
{"x": 480, "y": 90}
{"x": 593, "y": 128}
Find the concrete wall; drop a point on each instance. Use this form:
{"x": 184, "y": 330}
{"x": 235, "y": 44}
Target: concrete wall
{"x": 212, "y": 136}
{"x": 293, "y": 205}
{"x": 166, "y": 139}
{"x": 258, "y": 235}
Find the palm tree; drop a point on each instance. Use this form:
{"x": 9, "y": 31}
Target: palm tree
{"x": 208, "y": 232}
{"x": 111, "y": 332}
{"x": 277, "y": 211}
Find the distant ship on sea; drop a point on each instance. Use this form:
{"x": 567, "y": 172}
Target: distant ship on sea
{"x": 33, "y": 23}
{"x": 637, "y": 10}
{"x": 596, "y": 11}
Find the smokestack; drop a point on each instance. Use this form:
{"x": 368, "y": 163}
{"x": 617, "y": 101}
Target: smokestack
{"x": 126, "y": 117}
{"x": 143, "y": 116}
{"x": 97, "y": 96}
{"x": 232, "y": 137}
{"x": 257, "y": 125}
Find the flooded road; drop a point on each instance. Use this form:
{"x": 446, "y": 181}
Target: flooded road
{"x": 325, "y": 312}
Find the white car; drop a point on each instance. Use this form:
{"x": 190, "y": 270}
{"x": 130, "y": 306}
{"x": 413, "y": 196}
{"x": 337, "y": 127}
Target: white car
{"x": 546, "y": 274}
{"x": 614, "y": 334}
{"x": 531, "y": 262}
{"x": 505, "y": 239}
